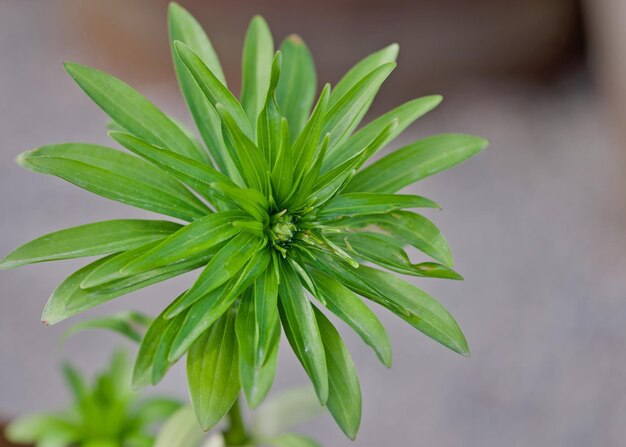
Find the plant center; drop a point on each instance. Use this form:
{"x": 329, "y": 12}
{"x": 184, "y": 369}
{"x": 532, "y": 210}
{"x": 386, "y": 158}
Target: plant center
{"x": 282, "y": 229}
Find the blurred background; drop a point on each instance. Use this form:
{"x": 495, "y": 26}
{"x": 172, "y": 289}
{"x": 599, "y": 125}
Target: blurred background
{"x": 537, "y": 222}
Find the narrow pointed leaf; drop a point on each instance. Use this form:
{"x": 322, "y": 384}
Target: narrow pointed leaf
{"x": 388, "y": 252}
{"x": 344, "y": 393}
{"x": 129, "y": 324}
{"x": 345, "y": 114}
{"x": 184, "y": 28}
{"x": 196, "y": 175}
{"x": 132, "y": 111}
{"x": 416, "y": 161}
{"x": 247, "y": 199}
{"x": 362, "y": 68}
{"x": 413, "y": 229}
{"x": 224, "y": 265}
{"x": 282, "y": 174}
{"x": 265, "y": 290}
{"x": 358, "y": 204}
{"x": 112, "y": 270}
{"x": 346, "y": 305}
{"x": 150, "y": 365}
{"x": 306, "y": 145}
{"x": 75, "y": 381}
{"x": 256, "y": 377}
{"x": 334, "y": 181}
{"x": 116, "y": 176}
{"x": 297, "y": 84}
{"x": 212, "y": 87}
{"x": 269, "y": 122}
{"x": 208, "y": 309}
{"x": 69, "y": 298}
{"x": 190, "y": 241}
{"x": 97, "y": 238}
{"x": 247, "y": 156}
{"x": 298, "y": 320}
{"x": 406, "y": 114}
{"x": 411, "y": 304}
{"x": 258, "y": 52}
{"x": 212, "y": 372}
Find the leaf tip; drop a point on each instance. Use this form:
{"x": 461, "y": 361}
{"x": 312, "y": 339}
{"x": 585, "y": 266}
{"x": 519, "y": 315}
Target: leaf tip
{"x": 6, "y": 264}
{"x": 22, "y": 158}
{"x": 174, "y": 8}
{"x": 259, "y": 20}
{"x": 394, "y": 49}
{"x": 295, "y": 39}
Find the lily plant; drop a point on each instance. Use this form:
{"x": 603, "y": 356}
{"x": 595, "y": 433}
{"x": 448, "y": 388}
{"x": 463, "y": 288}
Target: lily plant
{"x": 278, "y": 206}
{"x": 107, "y": 413}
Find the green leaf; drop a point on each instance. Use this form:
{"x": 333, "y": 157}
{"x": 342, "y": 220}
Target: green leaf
{"x": 284, "y": 412}
{"x": 388, "y": 252}
{"x": 70, "y": 299}
{"x": 256, "y": 377}
{"x": 298, "y": 319}
{"x": 297, "y": 84}
{"x": 116, "y": 176}
{"x": 269, "y": 122}
{"x": 247, "y": 199}
{"x": 346, "y": 305}
{"x": 38, "y": 427}
{"x": 226, "y": 263}
{"x": 132, "y": 111}
{"x": 258, "y": 52}
{"x": 411, "y": 228}
{"x": 75, "y": 382}
{"x": 301, "y": 193}
{"x": 212, "y": 88}
{"x": 204, "y": 312}
{"x": 112, "y": 270}
{"x": 213, "y": 371}
{"x": 406, "y": 114}
{"x": 265, "y": 290}
{"x": 196, "y": 175}
{"x": 345, "y": 114}
{"x": 306, "y": 144}
{"x": 248, "y": 158}
{"x": 89, "y": 240}
{"x": 129, "y": 324}
{"x": 152, "y": 362}
{"x": 358, "y": 204}
{"x": 282, "y": 174}
{"x": 344, "y": 394}
{"x": 184, "y": 28}
{"x": 191, "y": 241}
{"x": 180, "y": 430}
{"x": 416, "y": 161}
{"x": 362, "y": 68}
{"x": 292, "y": 440}
{"x": 411, "y": 304}
{"x": 334, "y": 181}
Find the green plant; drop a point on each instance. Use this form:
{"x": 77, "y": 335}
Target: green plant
{"x": 281, "y": 205}
{"x": 107, "y": 414}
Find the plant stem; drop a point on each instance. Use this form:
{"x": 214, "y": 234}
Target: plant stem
{"x": 235, "y": 434}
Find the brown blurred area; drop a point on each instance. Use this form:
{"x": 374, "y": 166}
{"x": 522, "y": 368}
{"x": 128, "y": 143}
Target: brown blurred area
{"x": 537, "y": 222}
{"x": 443, "y": 43}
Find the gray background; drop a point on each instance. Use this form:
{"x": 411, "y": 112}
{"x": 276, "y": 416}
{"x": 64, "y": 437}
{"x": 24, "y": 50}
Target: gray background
{"x": 536, "y": 223}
